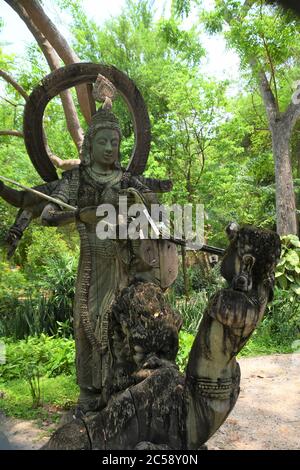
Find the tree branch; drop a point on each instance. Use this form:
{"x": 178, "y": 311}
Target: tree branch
{"x": 58, "y": 42}
{"x": 265, "y": 89}
{"x": 12, "y": 132}
{"x": 268, "y": 98}
{"x": 12, "y": 82}
{"x": 52, "y": 58}
{"x": 15, "y": 105}
{"x": 272, "y": 73}
{"x": 291, "y": 115}
{"x": 64, "y": 164}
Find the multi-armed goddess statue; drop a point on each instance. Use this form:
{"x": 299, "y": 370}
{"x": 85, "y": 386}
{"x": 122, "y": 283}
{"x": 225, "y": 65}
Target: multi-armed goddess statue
{"x": 132, "y": 395}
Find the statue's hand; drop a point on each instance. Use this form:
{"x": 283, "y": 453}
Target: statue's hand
{"x": 88, "y": 215}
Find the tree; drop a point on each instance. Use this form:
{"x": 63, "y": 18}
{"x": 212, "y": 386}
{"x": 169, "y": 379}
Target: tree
{"x": 54, "y": 47}
{"x": 264, "y": 38}
{"x": 216, "y": 150}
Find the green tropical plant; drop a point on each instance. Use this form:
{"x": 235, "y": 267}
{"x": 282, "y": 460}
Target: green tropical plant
{"x": 38, "y": 355}
{"x": 288, "y": 269}
{"x": 185, "y": 344}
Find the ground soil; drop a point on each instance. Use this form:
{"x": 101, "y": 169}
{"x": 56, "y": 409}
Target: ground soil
{"x": 266, "y": 416}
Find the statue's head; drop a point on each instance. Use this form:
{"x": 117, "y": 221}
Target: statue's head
{"x": 145, "y": 324}
{"x": 251, "y": 258}
{"x": 102, "y": 141}
{"x": 101, "y": 145}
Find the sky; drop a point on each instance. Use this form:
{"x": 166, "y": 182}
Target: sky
{"x": 219, "y": 63}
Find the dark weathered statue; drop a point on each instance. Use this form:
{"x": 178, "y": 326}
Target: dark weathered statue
{"x": 159, "y": 407}
{"x": 132, "y": 395}
{"x": 106, "y": 266}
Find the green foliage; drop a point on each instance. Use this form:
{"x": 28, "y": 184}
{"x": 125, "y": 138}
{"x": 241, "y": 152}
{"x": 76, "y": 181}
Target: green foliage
{"x": 36, "y": 357}
{"x": 33, "y": 314}
{"x": 35, "y": 309}
{"x": 200, "y": 278}
{"x": 42, "y": 256}
{"x": 181, "y": 7}
{"x": 283, "y": 320}
{"x": 288, "y": 270}
{"x": 185, "y": 344}
{"x": 192, "y": 310}
{"x": 57, "y": 393}
{"x": 36, "y": 297}
{"x": 279, "y": 329}
{"x": 49, "y": 356}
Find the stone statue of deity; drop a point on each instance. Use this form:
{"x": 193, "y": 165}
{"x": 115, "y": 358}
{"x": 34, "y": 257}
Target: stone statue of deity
{"x": 132, "y": 395}
{"x": 106, "y": 266}
{"x": 160, "y": 408}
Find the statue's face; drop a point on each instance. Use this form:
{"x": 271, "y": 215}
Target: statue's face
{"x": 105, "y": 148}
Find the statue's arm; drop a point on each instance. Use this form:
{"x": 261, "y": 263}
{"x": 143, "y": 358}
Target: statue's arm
{"x": 53, "y": 216}
{"x": 153, "y": 184}
{"x": 213, "y": 374}
{"x": 20, "y": 199}
{"x": 27, "y": 199}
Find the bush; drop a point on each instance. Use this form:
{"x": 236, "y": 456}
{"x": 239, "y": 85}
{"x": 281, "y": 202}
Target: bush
{"x": 200, "y": 279}
{"x": 32, "y": 307}
{"x": 191, "y": 310}
{"x": 282, "y": 321}
{"x": 288, "y": 268}
{"x": 45, "y": 354}
{"x": 56, "y": 393}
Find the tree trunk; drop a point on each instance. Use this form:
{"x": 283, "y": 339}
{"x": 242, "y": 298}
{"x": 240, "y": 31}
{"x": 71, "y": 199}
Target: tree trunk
{"x": 281, "y": 126}
{"x": 285, "y": 195}
{"x": 52, "y": 58}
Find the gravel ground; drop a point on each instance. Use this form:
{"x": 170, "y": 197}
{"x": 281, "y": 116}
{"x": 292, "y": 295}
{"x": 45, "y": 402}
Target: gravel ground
{"x": 267, "y": 413}
{"x": 266, "y": 416}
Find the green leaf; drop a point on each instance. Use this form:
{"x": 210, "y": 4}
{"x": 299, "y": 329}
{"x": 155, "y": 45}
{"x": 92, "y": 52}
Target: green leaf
{"x": 278, "y": 274}
{"x": 294, "y": 240}
{"x": 283, "y": 282}
{"x": 290, "y": 277}
{"x": 293, "y": 258}
{"x": 296, "y": 289}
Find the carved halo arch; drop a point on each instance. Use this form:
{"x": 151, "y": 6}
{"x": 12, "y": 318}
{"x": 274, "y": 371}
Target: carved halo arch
{"x": 70, "y": 76}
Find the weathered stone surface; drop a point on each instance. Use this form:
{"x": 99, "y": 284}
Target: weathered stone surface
{"x": 132, "y": 394}
{"x": 71, "y": 436}
{"x": 161, "y": 408}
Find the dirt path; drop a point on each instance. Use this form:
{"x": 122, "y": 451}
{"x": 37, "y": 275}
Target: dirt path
{"x": 17, "y": 434}
{"x": 267, "y": 413}
{"x": 266, "y": 416}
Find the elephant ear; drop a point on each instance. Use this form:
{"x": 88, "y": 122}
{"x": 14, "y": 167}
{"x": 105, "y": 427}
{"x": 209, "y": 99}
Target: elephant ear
{"x": 68, "y": 77}
{"x": 232, "y": 230}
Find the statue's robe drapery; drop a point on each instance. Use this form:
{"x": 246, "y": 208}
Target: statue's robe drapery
{"x": 105, "y": 268}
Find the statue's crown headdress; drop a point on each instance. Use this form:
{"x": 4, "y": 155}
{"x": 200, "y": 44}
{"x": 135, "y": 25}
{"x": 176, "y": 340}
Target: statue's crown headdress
{"x": 104, "y": 92}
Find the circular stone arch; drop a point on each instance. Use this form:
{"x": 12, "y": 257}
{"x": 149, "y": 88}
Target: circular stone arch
{"x": 71, "y": 76}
